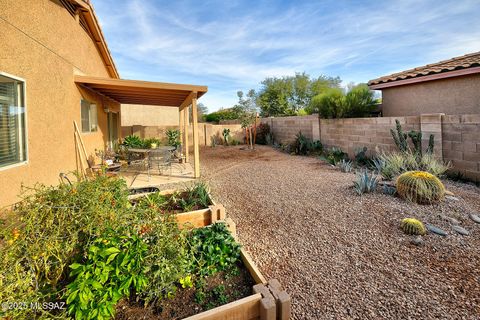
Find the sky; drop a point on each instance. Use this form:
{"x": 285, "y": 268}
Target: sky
{"x": 232, "y": 45}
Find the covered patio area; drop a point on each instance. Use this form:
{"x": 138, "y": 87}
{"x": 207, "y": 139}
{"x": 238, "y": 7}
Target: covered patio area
{"x": 181, "y": 96}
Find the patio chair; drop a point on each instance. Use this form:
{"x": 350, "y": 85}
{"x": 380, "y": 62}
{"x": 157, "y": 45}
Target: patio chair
{"x": 161, "y": 159}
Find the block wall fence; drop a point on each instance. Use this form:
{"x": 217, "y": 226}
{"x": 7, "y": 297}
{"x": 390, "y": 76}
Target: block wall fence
{"x": 205, "y": 130}
{"x": 457, "y": 137}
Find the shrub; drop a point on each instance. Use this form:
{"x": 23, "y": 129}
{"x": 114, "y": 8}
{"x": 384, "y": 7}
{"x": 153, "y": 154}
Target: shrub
{"x": 302, "y": 144}
{"x": 173, "y": 137}
{"x": 412, "y": 226}
{"x": 420, "y": 187}
{"x": 226, "y": 135}
{"x": 215, "y": 249}
{"x": 263, "y": 132}
{"x": 133, "y": 141}
{"x": 113, "y": 268}
{"x": 334, "y": 155}
{"x": 365, "y": 182}
{"x": 393, "y": 164}
{"x": 330, "y": 104}
{"x": 361, "y": 157}
{"x": 56, "y": 226}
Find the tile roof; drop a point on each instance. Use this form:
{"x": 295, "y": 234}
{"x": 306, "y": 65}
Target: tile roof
{"x": 463, "y": 62}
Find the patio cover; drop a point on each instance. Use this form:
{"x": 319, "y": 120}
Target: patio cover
{"x": 181, "y": 96}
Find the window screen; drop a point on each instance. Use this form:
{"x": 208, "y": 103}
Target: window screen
{"x": 12, "y": 122}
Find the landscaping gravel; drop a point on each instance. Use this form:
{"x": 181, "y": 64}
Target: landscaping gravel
{"x": 340, "y": 255}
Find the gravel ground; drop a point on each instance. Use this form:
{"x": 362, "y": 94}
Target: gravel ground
{"x": 343, "y": 256}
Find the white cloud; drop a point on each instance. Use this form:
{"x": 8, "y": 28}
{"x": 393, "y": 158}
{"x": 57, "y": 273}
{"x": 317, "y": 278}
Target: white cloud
{"x": 234, "y": 45}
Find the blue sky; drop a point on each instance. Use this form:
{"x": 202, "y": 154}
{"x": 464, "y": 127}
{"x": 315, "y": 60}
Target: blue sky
{"x": 233, "y": 45}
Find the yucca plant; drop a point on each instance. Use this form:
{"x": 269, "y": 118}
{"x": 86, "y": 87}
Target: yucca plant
{"x": 420, "y": 187}
{"x": 366, "y": 182}
{"x": 413, "y": 226}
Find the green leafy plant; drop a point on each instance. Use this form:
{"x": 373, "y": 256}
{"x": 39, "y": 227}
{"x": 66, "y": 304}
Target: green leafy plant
{"x": 412, "y": 226}
{"x": 133, "y": 141}
{"x": 173, "y": 137}
{"x": 215, "y": 249}
{"x": 335, "y": 155}
{"x": 420, "y": 187}
{"x": 365, "y": 182}
{"x": 361, "y": 158}
{"x": 302, "y": 144}
{"x": 113, "y": 267}
{"x": 186, "y": 282}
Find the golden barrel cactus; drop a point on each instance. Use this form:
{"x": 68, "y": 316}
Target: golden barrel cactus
{"x": 420, "y": 187}
{"x": 413, "y": 226}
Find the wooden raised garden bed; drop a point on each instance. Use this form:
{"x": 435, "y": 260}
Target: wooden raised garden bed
{"x": 267, "y": 301}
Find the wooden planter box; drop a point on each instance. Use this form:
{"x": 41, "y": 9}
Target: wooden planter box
{"x": 268, "y": 301}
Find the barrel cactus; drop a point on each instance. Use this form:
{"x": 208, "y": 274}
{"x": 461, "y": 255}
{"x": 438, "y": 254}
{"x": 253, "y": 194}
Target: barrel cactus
{"x": 412, "y": 226}
{"x": 420, "y": 187}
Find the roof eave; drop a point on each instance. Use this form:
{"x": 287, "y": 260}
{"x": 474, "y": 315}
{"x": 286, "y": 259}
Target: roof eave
{"x": 100, "y": 42}
{"x": 431, "y": 77}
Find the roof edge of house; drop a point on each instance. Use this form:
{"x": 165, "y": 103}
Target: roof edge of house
{"x": 91, "y": 19}
{"x": 454, "y": 67}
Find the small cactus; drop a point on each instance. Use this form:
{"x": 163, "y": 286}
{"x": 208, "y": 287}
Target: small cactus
{"x": 413, "y": 226}
{"x": 420, "y": 187}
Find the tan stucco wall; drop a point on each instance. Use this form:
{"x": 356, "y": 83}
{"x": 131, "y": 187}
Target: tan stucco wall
{"x": 459, "y": 95}
{"x": 46, "y": 47}
{"x": 134, "y": 115}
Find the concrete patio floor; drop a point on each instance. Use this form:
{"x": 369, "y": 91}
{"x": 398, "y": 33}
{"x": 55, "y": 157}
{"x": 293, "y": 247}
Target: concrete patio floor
{"x": 180, "y": 173}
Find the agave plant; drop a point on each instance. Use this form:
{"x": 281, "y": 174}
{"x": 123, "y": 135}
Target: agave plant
{"x": 366, "y": 182}
{"x": 345, "y": 165}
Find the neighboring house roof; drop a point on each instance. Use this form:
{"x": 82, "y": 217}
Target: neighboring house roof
{"x": 458, "y": 66}
{"x": 88, "y": 20}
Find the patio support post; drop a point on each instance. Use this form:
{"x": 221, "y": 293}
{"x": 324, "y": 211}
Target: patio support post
{"x": 180, "y": 125}
{"x": 196, "y": 151}
{"x": 185, "y": 130}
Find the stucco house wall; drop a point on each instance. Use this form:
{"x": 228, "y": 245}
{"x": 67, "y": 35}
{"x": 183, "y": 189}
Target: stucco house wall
{"x": 43, "y": 44}
{"x": 456, "y": 95}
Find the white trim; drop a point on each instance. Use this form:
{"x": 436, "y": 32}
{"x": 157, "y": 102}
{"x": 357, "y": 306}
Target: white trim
{"x": 24, "y": 100}
{"x": 14, "y": 165}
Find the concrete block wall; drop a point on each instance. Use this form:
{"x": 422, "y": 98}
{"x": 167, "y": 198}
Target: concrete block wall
{"x": 461, "y": 143}
{"x": 457, "y": 137}
{"x": 285, "y": 128}
{"x": 205, "y": 131}
{"x": 356, "y": 133}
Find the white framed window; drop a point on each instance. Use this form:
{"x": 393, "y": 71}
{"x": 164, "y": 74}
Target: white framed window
{"x": 89, "y": 116}
{"x": 13, "y": 129}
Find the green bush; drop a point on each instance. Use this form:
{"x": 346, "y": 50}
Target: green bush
{"x": 55, "y": 226}
{"x": 215, "y": 249}
{"x": 173, "y": 137}
{"x": 133, "y": 141}
{"x": 335, "y": 155}
{"x": 113, "y": 268}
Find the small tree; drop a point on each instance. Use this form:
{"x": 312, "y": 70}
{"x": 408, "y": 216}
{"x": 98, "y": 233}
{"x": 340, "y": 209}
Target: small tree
{"x": 247, "y": 109}
{"x": 330, "y": 104}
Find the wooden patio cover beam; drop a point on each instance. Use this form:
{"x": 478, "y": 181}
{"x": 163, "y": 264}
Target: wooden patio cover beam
{"x": 143, "y": 92}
